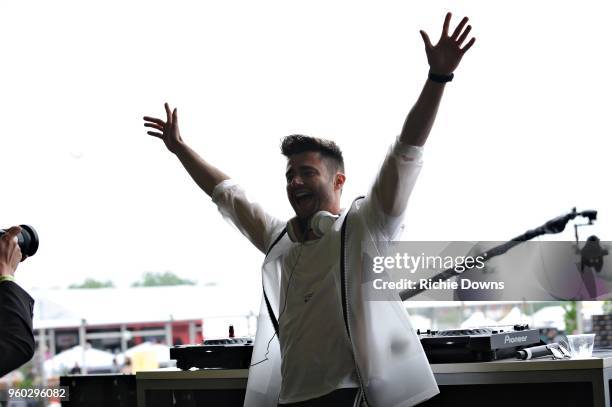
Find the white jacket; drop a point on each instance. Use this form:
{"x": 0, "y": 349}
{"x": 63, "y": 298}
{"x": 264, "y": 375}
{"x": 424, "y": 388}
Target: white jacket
{"x": 391, "y": 366}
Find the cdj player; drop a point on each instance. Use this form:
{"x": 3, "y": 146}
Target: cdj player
{"x": 477, "y": 344}
{"x": 452, "y": 346}
{"x": 230, "y": 353}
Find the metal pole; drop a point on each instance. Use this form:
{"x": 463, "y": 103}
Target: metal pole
{"x": 169, "y": 333}
{"x": 52, "y": 341}
{"x": 83, "y": 343}
{"x": 192, "y": 332}
{"x": 124, "y": 338}
{"x": 579, "y": 319}
{"x": 42, "y": 348}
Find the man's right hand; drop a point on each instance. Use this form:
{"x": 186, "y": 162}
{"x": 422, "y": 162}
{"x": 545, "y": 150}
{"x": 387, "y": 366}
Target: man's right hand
{"x": 169, "y": 129}
{"x": 10, "y": 252}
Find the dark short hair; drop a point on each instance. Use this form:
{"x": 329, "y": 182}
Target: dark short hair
{"x": 297, "y": 143}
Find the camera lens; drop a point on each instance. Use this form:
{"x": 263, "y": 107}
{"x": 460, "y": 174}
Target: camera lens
{"x": 27, "y": 240}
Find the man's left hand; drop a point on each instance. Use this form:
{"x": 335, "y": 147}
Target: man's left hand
{"x": 445, "y": 56}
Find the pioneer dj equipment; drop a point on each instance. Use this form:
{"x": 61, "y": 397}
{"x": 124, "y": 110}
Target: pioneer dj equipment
{"x": 230, "y": 353}
{"x": 477, "y": 344}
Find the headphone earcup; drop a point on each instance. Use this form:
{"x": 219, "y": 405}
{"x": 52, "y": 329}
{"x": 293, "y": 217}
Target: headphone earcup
{"x": 322, "y": 222}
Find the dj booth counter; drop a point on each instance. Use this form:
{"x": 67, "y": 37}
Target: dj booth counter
{"x": 509, "y": 382}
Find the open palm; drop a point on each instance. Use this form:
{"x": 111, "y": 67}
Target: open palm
{"x": 444, "y": 57}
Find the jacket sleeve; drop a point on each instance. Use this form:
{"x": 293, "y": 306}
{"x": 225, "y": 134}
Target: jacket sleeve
{"x": 385, "y": 205}
{"x": 16, "y": 335}
{"x": 249, "y": 217}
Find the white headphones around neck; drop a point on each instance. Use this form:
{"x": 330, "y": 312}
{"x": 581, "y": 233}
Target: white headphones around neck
{"x": 320, "y": 223}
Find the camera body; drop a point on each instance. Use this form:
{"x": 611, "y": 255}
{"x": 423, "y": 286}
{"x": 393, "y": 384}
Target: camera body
{"x": 27, "y": 241}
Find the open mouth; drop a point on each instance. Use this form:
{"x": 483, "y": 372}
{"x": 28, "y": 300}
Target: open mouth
{"x": 303, "y": 198}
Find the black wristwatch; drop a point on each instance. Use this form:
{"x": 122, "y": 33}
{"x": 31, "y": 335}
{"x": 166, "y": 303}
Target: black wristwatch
{"x": 440, "y": 78}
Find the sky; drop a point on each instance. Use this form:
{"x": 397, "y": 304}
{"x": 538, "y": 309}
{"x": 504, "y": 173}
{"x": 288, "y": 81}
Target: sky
{"x": 521, "y": 135}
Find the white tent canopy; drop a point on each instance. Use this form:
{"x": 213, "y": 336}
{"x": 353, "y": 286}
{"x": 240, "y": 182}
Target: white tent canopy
{"x": 162, "y": 352}
{"x": 87, "y": 357}
{"x": 515, "y": 316}
{"x": 552, "y": 316}
{"x": 477, "y": 319}
{"x": 420, "y": 322}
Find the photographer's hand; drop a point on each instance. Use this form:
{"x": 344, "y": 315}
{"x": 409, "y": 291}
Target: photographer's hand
{"x": 10, "y": 253}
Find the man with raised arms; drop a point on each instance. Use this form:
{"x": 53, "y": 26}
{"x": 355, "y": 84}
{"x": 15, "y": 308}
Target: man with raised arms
{"x": 318, "y": 341}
